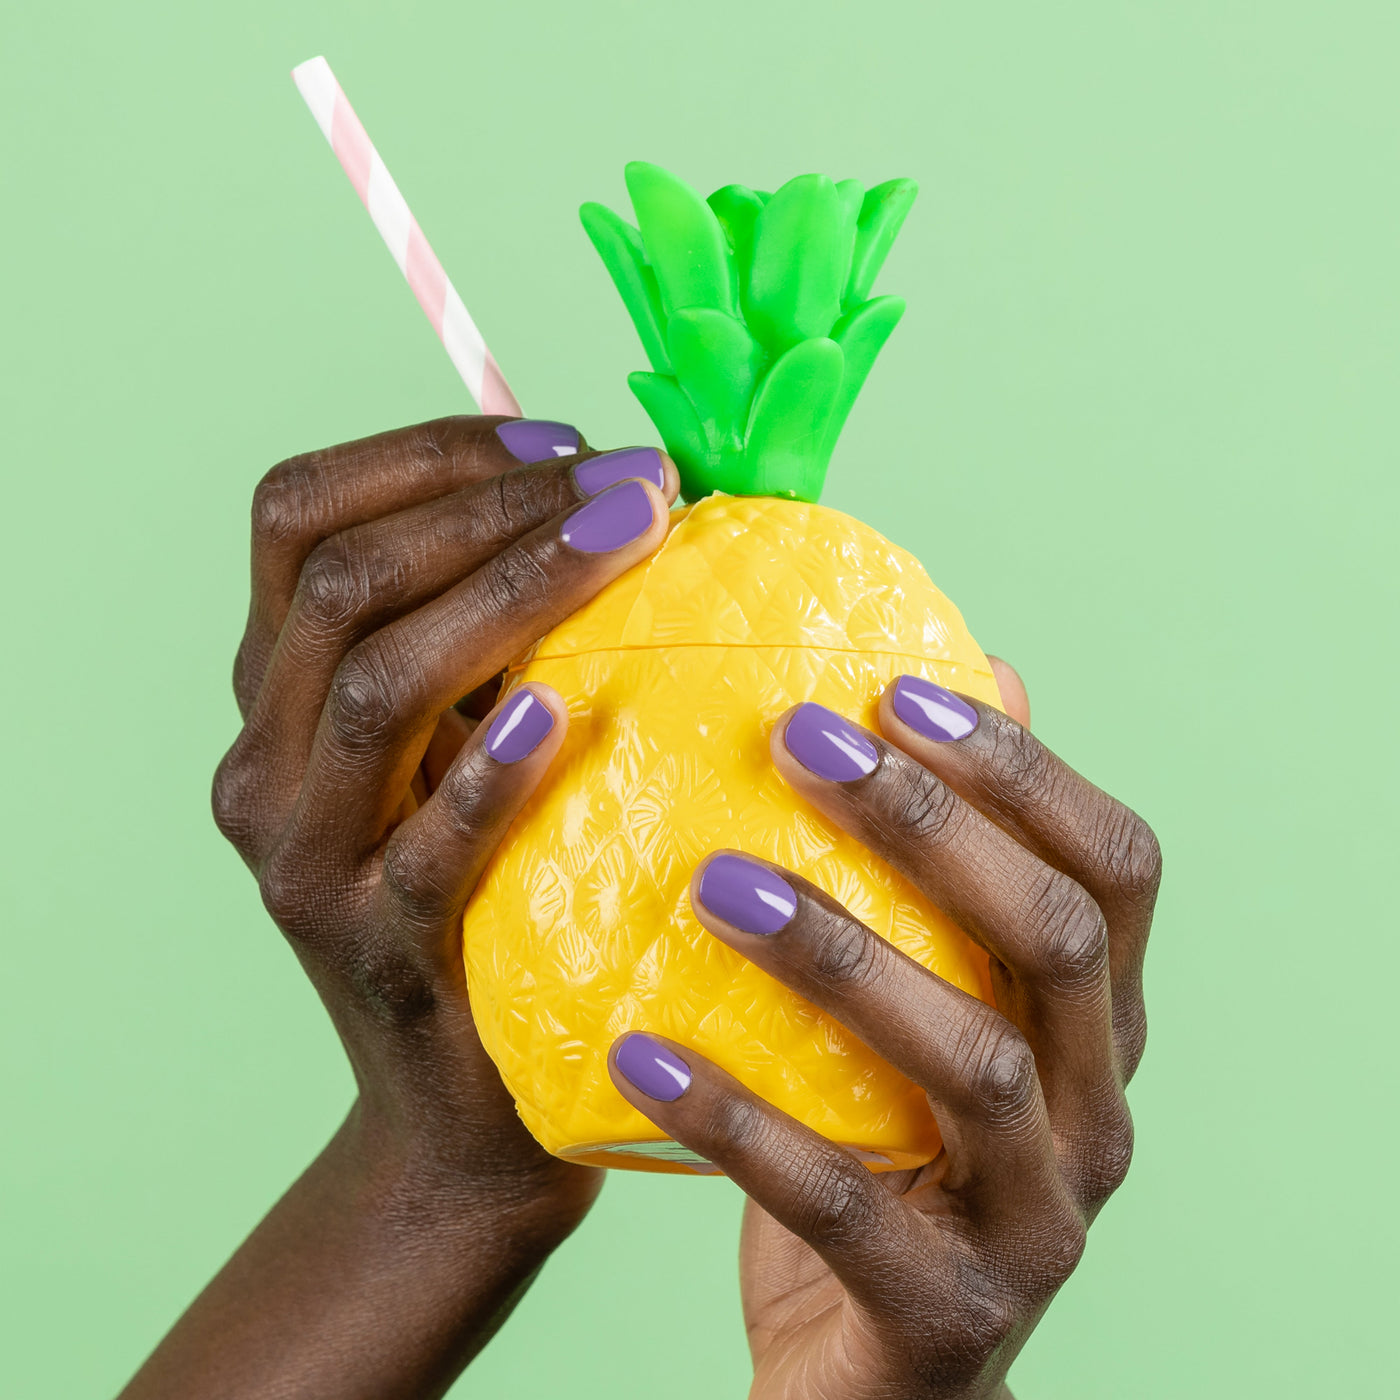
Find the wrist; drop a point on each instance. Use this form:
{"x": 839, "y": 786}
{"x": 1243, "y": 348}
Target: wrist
{"x": 420, "y": 1181}
{"x": 380, "y": 1272}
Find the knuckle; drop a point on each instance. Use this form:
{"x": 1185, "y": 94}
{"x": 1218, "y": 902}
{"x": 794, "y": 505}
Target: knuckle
{"x": 335, "y": 586}
{"x": 388, "y": 975}
{"x": 909, "y": 807}
{"x": 281, "y": 501}
{"x": 1001, "y": 1073}
{"x": 1129, "y": 1034}
{"x": 930, "y": 808}
{"x": 249, "y": 667}
{"x": 434, "y": 440}
{"x": 1070, "y": 936}
{"x": 415, "y": 882}
{"x": 1025, "y": 772}
{"x": 1059, "y": 1247}
{"x": 287, "y": 893}
{"x": 233, "y": 798}
{"x": 982, "y": 1316}
{"x": 837, "y": 1203}
{"x": 735, "y": 1126}
{"x": 518, "y": 580}
{"x": 392, "y": 984}
{"x": 509, "y": 505}
{"x": 1132, "y": 856}
{"x": 364, "y": 698}
{"x": 1106, "y": 1163}
{"x": 1074, "y": 1237}
{"x": 1024, "y": 1269}
{"x": 470, "y": 800}
{"x": 841, "y": 953}
{"x": 460, "y": 439}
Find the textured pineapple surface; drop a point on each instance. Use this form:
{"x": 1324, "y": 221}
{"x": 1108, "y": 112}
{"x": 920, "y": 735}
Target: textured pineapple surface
{"x": 582, "y": 928}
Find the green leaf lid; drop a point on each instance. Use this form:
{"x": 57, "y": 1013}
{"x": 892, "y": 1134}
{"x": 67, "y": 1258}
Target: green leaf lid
{"x": 755, "y": 312}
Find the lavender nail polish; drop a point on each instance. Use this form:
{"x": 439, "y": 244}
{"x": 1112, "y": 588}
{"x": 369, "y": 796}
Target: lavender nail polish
{"x": 598, "y": 473}
{"x": 930, "y": 710}
{"x": 652, "y": 1068}
{"x": 746, "y": 894}
{"x": 538, "y": 439}
{"x": 829, "y": 746}
{"x": 609, "y": 521}
{"x": 519, "y": 729}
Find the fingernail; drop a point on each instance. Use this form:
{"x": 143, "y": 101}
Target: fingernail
{"x": 617, "y": 517}
{"x": 652, "y": 1068}
{"x": 598, "y": 473}
{"x": 519, "y": 729}
{"x": 746, "y": 894}
{"x": 930, "y": 710}
{"x": 825, "y": 744}
{"x": 538, "y": 439}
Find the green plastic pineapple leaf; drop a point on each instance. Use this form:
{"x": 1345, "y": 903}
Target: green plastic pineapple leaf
{"x": 755, "y": 312}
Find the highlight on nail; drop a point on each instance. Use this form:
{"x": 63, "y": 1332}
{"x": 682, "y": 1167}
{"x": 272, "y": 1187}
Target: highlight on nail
{"x": 520, "y": 727}
{"x": 746, "y": 894}
{"x": 610, "y": 468}
{"x": 829, "y": 746}
{"x": 538, "y": 439}
{"x": 932, "y": 711}
{"x": 616, "y": 518}
{"x": 648, "y": 1065}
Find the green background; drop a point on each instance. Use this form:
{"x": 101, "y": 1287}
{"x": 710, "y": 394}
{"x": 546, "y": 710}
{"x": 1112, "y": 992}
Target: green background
{"x": 1140, "y": 422}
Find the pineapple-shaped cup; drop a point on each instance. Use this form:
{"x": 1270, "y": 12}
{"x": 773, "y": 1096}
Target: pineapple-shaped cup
{"x": 756, "y": 314}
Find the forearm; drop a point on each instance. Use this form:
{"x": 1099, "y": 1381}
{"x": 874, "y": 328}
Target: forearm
{"x": 361, "y": 1281}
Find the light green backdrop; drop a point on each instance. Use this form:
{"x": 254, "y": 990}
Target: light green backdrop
{"x": 1140, "y": 422}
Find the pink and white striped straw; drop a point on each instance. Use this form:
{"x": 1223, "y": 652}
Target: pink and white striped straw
{"x": 379, "y": 194}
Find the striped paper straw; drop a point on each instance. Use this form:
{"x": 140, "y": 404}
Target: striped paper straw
{"x": 399, "y": 229}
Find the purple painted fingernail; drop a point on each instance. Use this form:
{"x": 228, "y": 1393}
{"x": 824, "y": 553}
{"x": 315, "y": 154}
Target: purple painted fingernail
{"x": 930, "y": 710}
{"x": 538, "y": 439}
{"x": 652, "y": 1068}
{"x": 609, "y": 521}
{"x": 746, "y": 894}
{"x": 519, "y": 729}
{"x": 598, "y": 473}
{"x": 827, "y": 745}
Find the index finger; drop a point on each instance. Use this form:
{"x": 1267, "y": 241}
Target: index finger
{"x": 308, "y": 498}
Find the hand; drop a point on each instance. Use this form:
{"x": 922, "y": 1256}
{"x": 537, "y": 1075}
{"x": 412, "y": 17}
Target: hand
{"x": 391, "y": 578}
{"x": 927, "y": 1283}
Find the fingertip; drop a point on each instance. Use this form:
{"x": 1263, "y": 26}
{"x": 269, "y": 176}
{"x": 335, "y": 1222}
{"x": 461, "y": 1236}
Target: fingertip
{"x": 734, "y": 892}
{"x": 529, "y": 723}
{"x": 790, "y": 767}
{"x": 914, "y": 705}
{"x": 626, "y": 520}
{"x": 698, "y": 874}
{"x": 649, "y": 1066}
{"x": 811, "y": 741}
{"x": 777, "y": 738}
{"x": 697, "y": 905}
{"x": 671, "y": 490}
{"x": 547, "y": 695}
{"x": 660, "y": 502}
{"x": 531, "y": 440}
{"x": 660, "y": 513}
{"x": 1014, "y": 698}
{"x": 597, "y": 472}
{"x": 660, "y": 526}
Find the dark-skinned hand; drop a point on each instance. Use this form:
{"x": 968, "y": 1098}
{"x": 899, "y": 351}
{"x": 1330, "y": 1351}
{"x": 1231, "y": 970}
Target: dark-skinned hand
{"x": 391, "y": 578}
{"x": 926, "y": 1283}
